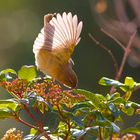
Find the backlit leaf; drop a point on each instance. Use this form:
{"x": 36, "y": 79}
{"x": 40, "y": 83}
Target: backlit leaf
{"x": 27, "y": 72}
{"x": 129, "y": 81}
{"x": 9, "y": 104}
{"x": 6, "y": 113}
{"x": 133, "y": 130}
{"x": 97, "y": 99}
{"x": 110, "y": 82}
{"x": 5, "y": 74}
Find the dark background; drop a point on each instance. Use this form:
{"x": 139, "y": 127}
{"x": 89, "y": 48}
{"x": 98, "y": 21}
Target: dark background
{"x": 20, "y": 23}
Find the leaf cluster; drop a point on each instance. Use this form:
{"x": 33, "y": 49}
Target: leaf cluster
{"x": 67, "y": 114}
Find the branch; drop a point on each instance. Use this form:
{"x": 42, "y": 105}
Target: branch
{"x": 32, "y": 126}
{"x": 107, "y": 50}
{"x": 126, "y": 53}
{"x": 100, "y": 133}
{"x": 112, "y": 37}
{"x": 29, "y": 113}
{"x": 67, "y": 122}
{"x": 25, "y": 123}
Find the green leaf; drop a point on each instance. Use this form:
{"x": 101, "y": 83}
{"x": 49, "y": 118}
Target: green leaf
{"x": 137, "y": 125}
{"x": 118, "y": 100}
{"x": 10, "y": 104}
{"x": 86, "y": 104}
{"x": 110, "y": 82}
{"x": 108, "y": 96}
{"x": 41, "y": 107}
{"x": 8, "y": 71}
{"x": 128, "y": 110}
{"x": 78, "y": 121}
{"x": 97, "y": 99}
{"x": 114, "y": 95}
{"x": 89, "y": 133}
{"x": 93, "y": 131}
{"x": 101, "y": 120}
{"x": 34, "y": 131}
{"x": 86, "y": 93}
{"x": 52, "y": 120}
{"x": 41, "y": 104}
{"x": 133, "y": 130}
{"x": 129, "y": 81}
{"x": 29, "y": 137}
{"x": 6, "y": 113}
{"x": 116, "y": 129}
{"x": 128, "y": 95}
{"x": 101, "y": 123}
{"x": 82, "y": 114}
{"x": 24, "y": 101}
{"x": 8, "y": 108}
{"x": 115, "y": 111}
{"x": 5, "y": 74}
{"x": 27, "y": 72}
{"x": 130, "y": 84}
{"x": 78, "y": 133}
{"x": 67, "y": 114}
{"x": 133, "y": 104}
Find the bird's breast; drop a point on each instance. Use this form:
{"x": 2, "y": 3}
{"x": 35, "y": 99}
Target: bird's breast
{"x": 47, "y": 62}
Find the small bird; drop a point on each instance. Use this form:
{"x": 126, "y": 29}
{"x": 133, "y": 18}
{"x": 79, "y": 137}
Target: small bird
{"x": 54, "y": 46}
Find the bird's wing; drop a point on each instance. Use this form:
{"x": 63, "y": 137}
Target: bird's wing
{"x": 60, "y": 35}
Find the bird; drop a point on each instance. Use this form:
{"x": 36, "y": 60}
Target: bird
{"x": 54, "y": 46}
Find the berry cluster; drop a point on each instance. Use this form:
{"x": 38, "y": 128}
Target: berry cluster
{"x": 47, "y": 89}
{"x": 12, "y": 134}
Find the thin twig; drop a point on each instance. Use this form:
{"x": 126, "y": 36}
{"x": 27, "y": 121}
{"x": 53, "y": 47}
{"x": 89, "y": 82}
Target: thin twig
{"x": 32, "y": 126}
{"x": 40, "y": 121}
{"x": 112, "y": 37}
{"x": 126, "y": 53}
{"x": 69, "y": 127}
{"x": 59, "y": 111}
{"x": 67, "y": 122}
{"x": 107, "y": 50}
{"x": 100, "y": 133}
{"x": 29, "y": 113}
{"x": 25, "y": 123}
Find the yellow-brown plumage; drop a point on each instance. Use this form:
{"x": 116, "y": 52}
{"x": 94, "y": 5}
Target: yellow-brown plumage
{"x": 54, "y": 46}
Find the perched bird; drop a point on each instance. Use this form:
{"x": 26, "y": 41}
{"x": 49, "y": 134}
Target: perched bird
{"x": 54, "y": 46}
